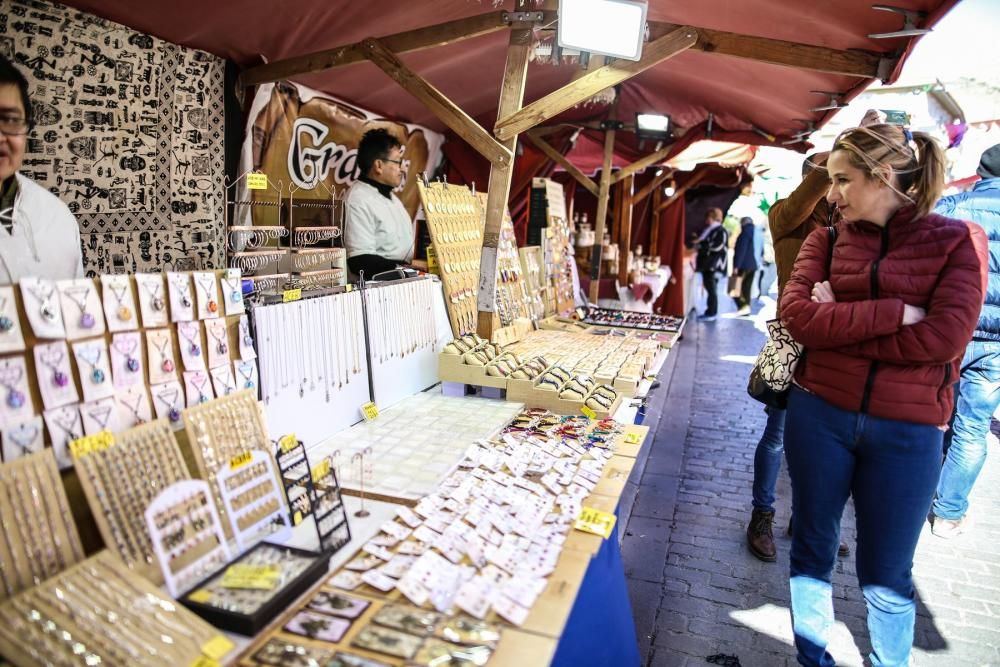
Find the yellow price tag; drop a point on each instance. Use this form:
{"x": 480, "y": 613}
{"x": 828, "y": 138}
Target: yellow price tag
{"x": 369, "y": 411}
{"x": 297, "y": 519}
{"x": 201, "y": 596}
{"x": 291, "y": 295}
{"x": 217, "y": 647}
{"x": 588, "y": 413}
{"x": 288, "y": 443}
{"x": 203, "y": 661}
{"x": 256, "y": 577}
{"x": 595, "y": 521}
{"x": 240, "y": 460}
{"x": 89, "y": 444}
{"x": 432, "y": 260}
{"x": 632, "y": 439}
{"x": 256, "y": 181}
{"x": 349, "y": 287}
{"x": 320, "y": 471}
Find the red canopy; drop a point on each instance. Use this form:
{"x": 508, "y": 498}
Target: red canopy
{"x": 739, "y": 92}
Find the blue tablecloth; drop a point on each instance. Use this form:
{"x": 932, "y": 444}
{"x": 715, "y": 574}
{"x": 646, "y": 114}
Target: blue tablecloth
{"x": 600, "y": 630}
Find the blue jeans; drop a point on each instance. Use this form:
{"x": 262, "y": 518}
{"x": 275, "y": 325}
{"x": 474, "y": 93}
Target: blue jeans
{"x": 767, "y": 460}
{"x": 977, "y": 398}
{"x": 891, "y": 468}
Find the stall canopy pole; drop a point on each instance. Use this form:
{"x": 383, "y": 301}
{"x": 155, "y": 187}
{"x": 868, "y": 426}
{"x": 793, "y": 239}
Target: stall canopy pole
{"x": 511, "y": 98}
{"x": 625, "y": 211}
{"x": 654, "y": 222}
{"x": 602, "y": 212}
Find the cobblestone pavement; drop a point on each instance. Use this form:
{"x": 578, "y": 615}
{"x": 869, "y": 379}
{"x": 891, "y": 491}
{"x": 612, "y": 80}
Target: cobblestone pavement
{"x": 695, "y": 589}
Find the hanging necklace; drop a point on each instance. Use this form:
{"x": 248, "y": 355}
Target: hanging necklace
{"x": 87, "y": 320}
{"x": 202, "y": 398}
{"x": 208, "y": 289}
{"x": 124, "y": 312}
{"x": 45, "y": 308}
{"x": 59, "y": 378}
{"x": 15, "y": 397}
{"x": 245, "y": 333}
{"x": 96, "y": 416}
{"x": 6, "y": 323}
{"x": 235, "y": 294}
{"x": 220, "y": 340}
{"x": 248, "y": 382}
{"x": 24, "y": 437}
{"x": 173, "y": 414}
{"x": 134, "y": 409}
{"x": 68, "y": 426}
{"x": 194, "y": 348}
{"x": 166, "y": 363}
{"x": 222, "y": 377}
{"x": 92, "y": 356}
{"x": 155, "y": 300}
{"x": 131, "y": 362}
{"x": 184, "y": 288}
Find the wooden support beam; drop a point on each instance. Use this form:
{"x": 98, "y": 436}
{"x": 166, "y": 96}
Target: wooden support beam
{"x": 651, "y": 186}
{"x": 602, "y": 212}
{"x": 697, "y": 178}
{"x": 561, "y": 160}
{"x": 511, "y": 97}
{"x": 625, "y": 220}
{"x": 639, "y": 165}
{"x": 403, "y": 42}
{"x": 449, "y": 113}
{"x": 654, "y": 223}
{"x": 588, "y": 85}
{"x": 779, "y": 52}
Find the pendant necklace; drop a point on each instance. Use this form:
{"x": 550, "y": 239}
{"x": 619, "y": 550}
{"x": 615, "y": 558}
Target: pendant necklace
{"x": 124, "y": 312}
{"x": 235, "y": 293}
{"x": 155, "y": 300}
{"x": 173, "y": 414}
{"x": 245, "y": 333}
{"x": 194, "y": 348}
{"x": 208, "y": 289}
{"x": 6, "y": 323}
{"x": 59, "y": 378}
{"x": 166, "y": 363}
{"x": 24, "y": 437}
{"x": 68, "y": 426}
{"x": 87, "y": 320}
{"x": 222, "y": 379}
{"x": 184, "y": 288}
{"x": 202, "y": 398}
{"x": 131, "y": 363}
{"x": 92, "y": 356}
{"x": 97, "y": 414}
{"x": 15, "y": 397}
{"x": 220, "y": 339}
{"x": 45, "y": 308}
{"x": 134, "y": 409}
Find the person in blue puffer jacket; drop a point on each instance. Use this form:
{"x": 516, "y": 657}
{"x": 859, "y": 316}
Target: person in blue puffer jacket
{"x": 978, "y": 393}
{"x": 745, "y": 263}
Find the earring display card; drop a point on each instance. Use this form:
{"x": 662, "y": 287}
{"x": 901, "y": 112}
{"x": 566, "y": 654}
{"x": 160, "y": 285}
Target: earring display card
{"x": 207, "y": 295}
{"x": 81, "y": 307}
{"x": 232, "y": 292}
{"x": 119, "y": 303}
{"x": 126, "y": 359}
{"x": 247, "y": 351}
{"x": 254, "y": 499}
{"x": 192, "y": 348}
{"x": 218, "y": 343}
{"x": 55, "y": 375}
{"x": 160, "y": 356}
{"x": 48, "y": 542}
{"x": 181, "y": 301}
{"x": 41, "y": 304}
{"x": 11, "y": 338}
{"x": 100, "y": 415}
{"x": 168, "y": 401}
{"x": 133, "y": 406}
{"x": 94, "y": 367}
{"x": 17, "y": 404}
{"x": 223, "y": 380}
{"x": 152, "y": 300}
{"x": 198, "y": 388}
{"x": 23, "y": 439}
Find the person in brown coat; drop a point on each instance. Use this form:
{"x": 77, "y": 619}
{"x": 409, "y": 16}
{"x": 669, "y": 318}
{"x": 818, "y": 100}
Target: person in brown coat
{"x": 791, "y": 220}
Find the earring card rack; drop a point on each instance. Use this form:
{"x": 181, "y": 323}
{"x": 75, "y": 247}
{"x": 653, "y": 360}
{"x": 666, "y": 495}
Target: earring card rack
{"x": 253, "y": 498}
{"x": 122, "y": 480}
{"x": 534, "y": 279}
{"x": 550, "y": 228}
{"x": 39, "y": 536}
{"x": 513, "y": 301}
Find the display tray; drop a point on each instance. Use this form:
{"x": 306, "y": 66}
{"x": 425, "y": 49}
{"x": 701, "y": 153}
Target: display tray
{"x": 249, "y": 624}
{"x": 634, "y": 320}
{"x": 527, "y": 392}
{"x": 451, "y": 368}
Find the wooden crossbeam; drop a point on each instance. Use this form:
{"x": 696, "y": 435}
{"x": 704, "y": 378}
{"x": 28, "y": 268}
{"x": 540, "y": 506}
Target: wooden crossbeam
{"x": 652, "y": 185}
{"x": 574, "y": 92}
{"x": 602, "y": 213}
{"x": 560, "y": 159}
{"x": 641, "y": 164}
{"x": 697, "y": 178}
{"x": 449, "y": 113}
{"x": 403, "y": 42}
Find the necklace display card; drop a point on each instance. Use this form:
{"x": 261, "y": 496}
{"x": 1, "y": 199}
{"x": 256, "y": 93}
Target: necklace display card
{"x": 55, "y": 375}
{"x": 94, "y": 367}
{"x": 11, "y": 337}
{"x": 119, "y": 303}
{"x": 81, "y": 307}
{"x": 23, "y": 439}
{"x": 152, "y": 300}
{"x": 41, "y": 305}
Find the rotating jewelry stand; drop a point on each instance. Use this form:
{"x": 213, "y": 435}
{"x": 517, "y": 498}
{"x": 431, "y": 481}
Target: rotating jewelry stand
{"x": 256, "y": 249}
{"x": 312, "y": 267}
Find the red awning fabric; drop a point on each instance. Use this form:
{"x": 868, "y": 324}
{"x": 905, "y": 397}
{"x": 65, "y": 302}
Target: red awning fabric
{"x": 741, "y": 93}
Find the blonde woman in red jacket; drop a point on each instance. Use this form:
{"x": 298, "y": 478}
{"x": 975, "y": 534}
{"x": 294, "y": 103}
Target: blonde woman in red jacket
{"x": 883, "y": 333}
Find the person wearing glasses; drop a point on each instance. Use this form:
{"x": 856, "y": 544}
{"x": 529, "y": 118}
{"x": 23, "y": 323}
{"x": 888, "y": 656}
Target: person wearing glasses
{"x": 379, "y": 232}
{"x": 39, "y": 237}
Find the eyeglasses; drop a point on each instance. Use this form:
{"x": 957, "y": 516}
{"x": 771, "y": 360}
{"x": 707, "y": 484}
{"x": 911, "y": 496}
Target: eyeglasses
{"x": 13, "y": 125}
{"x": 385, "y": 159}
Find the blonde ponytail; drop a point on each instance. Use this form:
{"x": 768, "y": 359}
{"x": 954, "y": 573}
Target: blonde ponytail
{"x": 928, "y": 181}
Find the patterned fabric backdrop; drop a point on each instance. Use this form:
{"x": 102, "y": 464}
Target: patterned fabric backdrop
{"x": 128, "y": 133}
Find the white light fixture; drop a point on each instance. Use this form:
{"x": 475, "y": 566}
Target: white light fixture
{"x": 607, "y": 27}
{"x": 669, "y": 190}
{"x": 653, "y": 126}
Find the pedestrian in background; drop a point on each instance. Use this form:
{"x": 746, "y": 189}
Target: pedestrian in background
{"x": 712, "y": 259}
{"x": 745, "y": 263}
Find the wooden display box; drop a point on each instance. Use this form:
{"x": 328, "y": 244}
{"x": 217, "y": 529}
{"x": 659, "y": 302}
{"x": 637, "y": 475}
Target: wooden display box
{"x": 452, "y": 369}
{"x": 529, "y": 393}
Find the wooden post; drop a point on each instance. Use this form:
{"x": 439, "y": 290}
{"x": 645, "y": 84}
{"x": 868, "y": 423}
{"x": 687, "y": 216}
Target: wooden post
{"x": 625, "y": 208}
{"x": 602, "y": 212}
{"x": 511, "y": 98}
{"x": 654, "y": 222}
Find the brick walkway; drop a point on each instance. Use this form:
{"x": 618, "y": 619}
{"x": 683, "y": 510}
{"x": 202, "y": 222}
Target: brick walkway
{"x": 695, "y": 589}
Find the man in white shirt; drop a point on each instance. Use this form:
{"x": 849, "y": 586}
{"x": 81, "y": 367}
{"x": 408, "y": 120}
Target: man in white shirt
{"x": 39, "y": 237}
{"x": 379, "y": 232}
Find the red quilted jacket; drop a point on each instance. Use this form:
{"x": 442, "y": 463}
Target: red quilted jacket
{"x": 859, "y": 356}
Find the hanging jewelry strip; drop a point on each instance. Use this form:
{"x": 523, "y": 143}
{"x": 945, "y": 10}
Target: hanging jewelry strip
{"x": 65, "y": 621}
{"x": 121, "y": 481}
{"x": 221, "y": 430}
{"x": 39, "y": 536}
{"x": 454, "y": 220}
